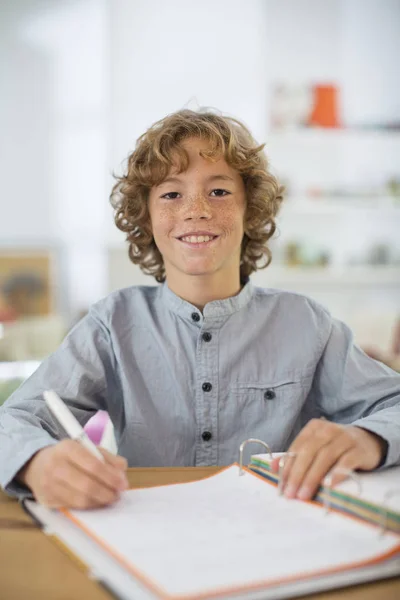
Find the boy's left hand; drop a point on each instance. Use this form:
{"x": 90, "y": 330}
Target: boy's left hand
{"x": 322, "y": 446}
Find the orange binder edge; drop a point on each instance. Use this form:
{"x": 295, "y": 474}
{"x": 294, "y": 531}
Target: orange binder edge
{"x": 220, "y": 593}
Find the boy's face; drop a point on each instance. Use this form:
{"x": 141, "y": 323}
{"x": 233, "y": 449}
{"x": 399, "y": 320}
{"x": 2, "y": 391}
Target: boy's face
{"x": 206, "y": 200}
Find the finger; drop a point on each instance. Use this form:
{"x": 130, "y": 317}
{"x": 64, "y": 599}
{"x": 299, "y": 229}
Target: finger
{"x": 274, "y": 464}
{"x": 56, "y": 493}
{"x": 103, "y": 472}
{"x": 64, "y": 496}
{"x": 58, "y": 496}
{"x": 80, "y": 489}
{"x": 302, "y": 440}
{"x": 298, "y": 467}
{"x": 326, "y": 458}
{"x": 282, "y": 465}
{"x": 306, "y": 448}
{"x": 119, "y": 462}
{"x": 350, "y": 461}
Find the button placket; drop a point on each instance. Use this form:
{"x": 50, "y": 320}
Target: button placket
{"x": 207, "y": 395}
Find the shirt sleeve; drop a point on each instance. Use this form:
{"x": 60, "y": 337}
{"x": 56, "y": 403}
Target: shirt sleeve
{"x": 81, "y": 371}
{"x": 351, "y": 388}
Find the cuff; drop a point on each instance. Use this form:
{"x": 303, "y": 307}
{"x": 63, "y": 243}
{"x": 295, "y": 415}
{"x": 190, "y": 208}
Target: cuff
{"x": 9, "y": 483}
{"x": 389, "y": 432}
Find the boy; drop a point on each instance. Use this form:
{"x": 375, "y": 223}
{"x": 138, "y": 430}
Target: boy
{"x": 190, "y": 369}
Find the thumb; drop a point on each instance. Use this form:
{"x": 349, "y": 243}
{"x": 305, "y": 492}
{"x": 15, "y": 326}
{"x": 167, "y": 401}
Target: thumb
{"x": 274, "y": 464}
{"x": 114, "y": 460}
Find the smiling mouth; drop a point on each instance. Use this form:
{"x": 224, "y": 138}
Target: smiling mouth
{"x": 198, "y": 240}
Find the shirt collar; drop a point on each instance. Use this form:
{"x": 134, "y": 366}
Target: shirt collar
{"x": 214, "y": 309}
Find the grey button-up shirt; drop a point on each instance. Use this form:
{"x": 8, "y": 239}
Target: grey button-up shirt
{"x": 186, "y": 388}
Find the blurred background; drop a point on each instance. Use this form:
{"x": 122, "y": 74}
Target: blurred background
{"x": 80, "y": 80}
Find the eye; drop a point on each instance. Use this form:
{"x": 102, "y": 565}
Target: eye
{"x": 219, "y": 193}
{"x": 170, "y": 195}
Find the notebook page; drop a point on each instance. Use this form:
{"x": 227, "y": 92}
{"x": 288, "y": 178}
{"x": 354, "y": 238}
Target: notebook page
{"x": 228, "y": 533}
{"x": 374, "y": 485}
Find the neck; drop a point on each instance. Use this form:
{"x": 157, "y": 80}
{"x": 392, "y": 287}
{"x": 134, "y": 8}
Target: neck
{"x": 201, "y": 289}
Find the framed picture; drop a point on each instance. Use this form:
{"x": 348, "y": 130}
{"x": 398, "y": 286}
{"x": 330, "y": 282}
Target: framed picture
{"x": 26, "y": 283}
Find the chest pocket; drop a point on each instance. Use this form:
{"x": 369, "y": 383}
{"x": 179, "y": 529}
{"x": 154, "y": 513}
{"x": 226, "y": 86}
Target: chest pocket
{"x": 280, "y": 400}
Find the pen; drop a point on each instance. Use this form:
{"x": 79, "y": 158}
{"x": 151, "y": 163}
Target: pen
{"x": 67, "y": 420}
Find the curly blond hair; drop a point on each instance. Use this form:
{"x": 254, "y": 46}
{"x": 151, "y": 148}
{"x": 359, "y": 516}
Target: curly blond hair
{"x": 160, "y": 148}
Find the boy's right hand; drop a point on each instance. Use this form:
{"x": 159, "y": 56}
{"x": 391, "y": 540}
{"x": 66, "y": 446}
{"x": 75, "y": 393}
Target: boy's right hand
{"x": 68, "y": 475}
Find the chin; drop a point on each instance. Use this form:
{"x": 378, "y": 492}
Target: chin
{"x": 198, "y": 269}
{"x": 199, "y": 272}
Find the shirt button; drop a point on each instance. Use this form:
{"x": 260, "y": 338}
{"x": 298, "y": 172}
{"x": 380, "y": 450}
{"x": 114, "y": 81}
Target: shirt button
{"x": 269, "y": 395}
{"x": 207, "y": 336}
{"x": 206, "y": 435}
{"x": 206, "y": 387}
{"x": 196, "y": 317}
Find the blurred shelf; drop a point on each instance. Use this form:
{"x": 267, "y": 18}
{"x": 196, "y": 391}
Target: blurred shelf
{"x": 18, "y": 369}
{"x": 366, "y": 276}
{"x": 321, "y": 134}
{"x": 377, "y": 206}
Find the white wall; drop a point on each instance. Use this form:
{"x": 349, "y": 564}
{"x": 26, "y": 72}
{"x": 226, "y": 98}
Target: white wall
{"x": 167, "y": 55}
{"x": 83, "y": 79}
{"x": 54, "y": 129}
{"x": 227, "y": 55}
{"x": 25, "y": 139}
{"x": 370, "y": 51}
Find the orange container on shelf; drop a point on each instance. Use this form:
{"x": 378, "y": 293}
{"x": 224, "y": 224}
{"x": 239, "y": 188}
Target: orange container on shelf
{"x": 325, "y": 107}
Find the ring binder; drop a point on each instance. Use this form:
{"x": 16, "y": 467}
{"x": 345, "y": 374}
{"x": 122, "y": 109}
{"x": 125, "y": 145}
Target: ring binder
{"x": 327, "y": 553}
{"x": 385, "y": 509}
{"x": 328, "y": 485}
{"x": 282, "y": 462}
{"x": 243, "y": 444}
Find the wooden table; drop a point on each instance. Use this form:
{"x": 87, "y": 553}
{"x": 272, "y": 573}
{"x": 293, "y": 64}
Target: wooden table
{"x": 34, "y": 567}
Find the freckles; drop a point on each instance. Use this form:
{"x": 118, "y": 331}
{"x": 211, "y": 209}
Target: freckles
{"x": 228, "y": 217}
{"x": 166, "y": 215}
{"x": 169, "y": 209}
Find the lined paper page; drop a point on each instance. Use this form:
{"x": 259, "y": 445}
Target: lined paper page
{"x": 228, "y": 532}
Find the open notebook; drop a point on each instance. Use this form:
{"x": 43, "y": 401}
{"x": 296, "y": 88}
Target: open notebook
{"x": 221, "y": 537}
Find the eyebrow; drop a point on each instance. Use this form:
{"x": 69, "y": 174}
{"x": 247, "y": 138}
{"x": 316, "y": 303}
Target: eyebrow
{"x": 209, "y": 179}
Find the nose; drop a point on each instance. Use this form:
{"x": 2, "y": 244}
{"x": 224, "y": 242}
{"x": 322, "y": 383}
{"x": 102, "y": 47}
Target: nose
{"x": 197, "y": 207}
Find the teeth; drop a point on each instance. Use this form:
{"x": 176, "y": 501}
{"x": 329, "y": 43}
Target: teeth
{"x": 197, "y": 239}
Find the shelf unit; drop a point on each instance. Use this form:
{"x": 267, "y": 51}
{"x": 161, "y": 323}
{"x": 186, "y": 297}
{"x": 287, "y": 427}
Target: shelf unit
{"x": 351, "y": 229}
{"x": 332, "y": 158}
{"x": 341, "y": 205}
{"x": 330, "y": 134}
{"x": 18, "y": 369}
{"x": 328, "y": 277}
